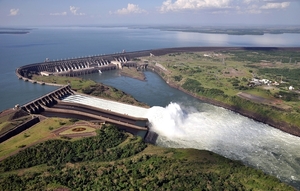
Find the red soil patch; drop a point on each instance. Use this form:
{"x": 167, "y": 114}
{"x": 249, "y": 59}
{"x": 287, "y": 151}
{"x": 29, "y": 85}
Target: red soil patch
{"x": 78, "y": 129}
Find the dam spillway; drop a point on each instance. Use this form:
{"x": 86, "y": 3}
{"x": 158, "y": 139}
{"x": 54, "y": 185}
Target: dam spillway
{"x": 64, "y": 102}
{"x": 127, "y": 117}
{"x": 113, "y": 106}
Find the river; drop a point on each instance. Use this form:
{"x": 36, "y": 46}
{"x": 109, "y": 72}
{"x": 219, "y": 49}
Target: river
{"x": 182, "y": 121}
{"x": 179, "y": 119}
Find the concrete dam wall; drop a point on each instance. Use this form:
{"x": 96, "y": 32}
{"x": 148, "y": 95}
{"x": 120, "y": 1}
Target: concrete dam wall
{"x": 78, "y": 66}
{"x": 52, "y": 102}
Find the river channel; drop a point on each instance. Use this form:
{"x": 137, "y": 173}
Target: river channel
{"x": 182, "y": 121}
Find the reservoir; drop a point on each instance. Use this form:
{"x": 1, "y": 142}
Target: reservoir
{"x": 179, "y": 119}
{"x": 56, "y": 43}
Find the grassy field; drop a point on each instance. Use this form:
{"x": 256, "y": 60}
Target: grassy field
{"x": 75, "y": 82}
{"x": 36, "y": 133}
{"x": 69, "y": 131}
{"x": 12, "y": 119}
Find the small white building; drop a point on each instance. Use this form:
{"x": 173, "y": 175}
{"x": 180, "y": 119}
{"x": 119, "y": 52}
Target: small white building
{"x": 117, "y": 63}
{"x": 45, "y": 73}
{"x": 291, "y": 88}
{"x": 265, "y": 81}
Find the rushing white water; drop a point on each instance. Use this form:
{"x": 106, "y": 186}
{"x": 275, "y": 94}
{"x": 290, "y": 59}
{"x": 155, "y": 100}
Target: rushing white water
{"x": 231, "y": 135}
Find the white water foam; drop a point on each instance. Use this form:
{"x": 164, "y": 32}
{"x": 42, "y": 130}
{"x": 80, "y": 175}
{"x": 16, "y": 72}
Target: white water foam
{"x": 231, "y": 135}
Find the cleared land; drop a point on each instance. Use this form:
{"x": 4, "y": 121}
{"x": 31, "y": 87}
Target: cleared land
{"x": 37, "y": 133}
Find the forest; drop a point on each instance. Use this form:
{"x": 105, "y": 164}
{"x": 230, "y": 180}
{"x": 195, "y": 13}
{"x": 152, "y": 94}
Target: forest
{"x": 99, "y": 148}
{"x": 115, "y": 160}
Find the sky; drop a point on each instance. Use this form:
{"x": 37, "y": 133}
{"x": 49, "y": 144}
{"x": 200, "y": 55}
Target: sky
{"x": 152, "y": 12}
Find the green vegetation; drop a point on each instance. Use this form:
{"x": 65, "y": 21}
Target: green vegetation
{"x": 98, "y": 148}
{"x": 76, "y": 83}
{"x": 119, "y": 161}
{"x": 289, "y": 75}
{"x": 38, "y": 132}
{"x": 91, "y": 88}
{"x": 86, "y": 129}
{"x": 271, "y": 56}
{"x": 222, "y": 75}
{"x": 12, "y": 118}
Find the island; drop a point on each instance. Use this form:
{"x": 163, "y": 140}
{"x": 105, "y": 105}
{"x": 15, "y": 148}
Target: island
{"x": 229, "y": 30}
{"x": 14, "y": 31}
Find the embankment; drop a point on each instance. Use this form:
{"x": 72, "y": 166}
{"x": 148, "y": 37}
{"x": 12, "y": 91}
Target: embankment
{"x": 18, "y": 129}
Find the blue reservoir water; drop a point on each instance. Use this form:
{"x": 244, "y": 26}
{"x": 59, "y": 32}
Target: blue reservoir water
{"x": 70, "y": 42}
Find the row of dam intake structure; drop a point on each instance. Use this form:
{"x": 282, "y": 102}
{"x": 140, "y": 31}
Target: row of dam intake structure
{"x": 79, "y": 66}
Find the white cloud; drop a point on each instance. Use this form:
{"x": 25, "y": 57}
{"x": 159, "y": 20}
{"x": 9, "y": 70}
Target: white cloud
{"x": 253, "y": 11}
{"x": 14, "y": 12}
{"x": 58, "y": 14}
{"x": 74, "y": 10}
{"x": 282, "y": 5}
{"x": 168, "y": 5}
{"x": 225, "y": 6}
{"x": 263, "y": 6}
{"x": 130, "y": 9}
{"x": 250, "y": 1}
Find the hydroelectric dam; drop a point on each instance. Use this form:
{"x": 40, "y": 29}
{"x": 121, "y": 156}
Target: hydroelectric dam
{"x": 215, "y": 129}
{"x": 66, "y": 102}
